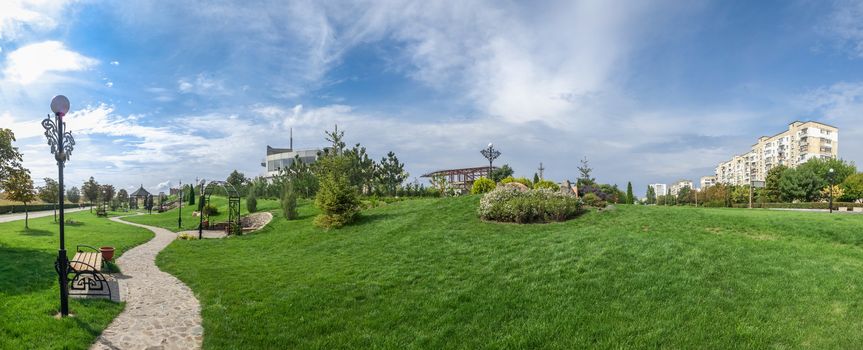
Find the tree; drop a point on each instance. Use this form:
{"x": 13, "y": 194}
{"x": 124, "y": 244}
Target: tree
{"x": 801, "y": 184}
{"x": 91, "y": 191}
{"x": 335, "y": 138}
{"x": 853, "y": 188}
{"x": 584, "y": 171}
{"x": 501, "y": 173}
{"x": 50, "y": 193}
{"x": 820, "y": 167}
{"x": 106, "y": 193}
{"x": 238, "y": 180}
{"x": 192, "y": 195}
{"x": 73, "y": 195}
{"x": 363, "y": 169}
{"x": 252, "y": 201}
{"x": 630, "y": 197}
{"x": 651, "y": 195}
{"x": 773, "y": 179}
{"x": 123, "y": 197}
{"x": 535, "y": 178}
{"x": 10, "y": 158}
{"x": 302, "y": 176}
{"x": 391, "y": 173}
{"x": 19, "y": 188}
{"x": 289, "y": 201}
{"x": 337, "y": 200}
{"x": 482, "y": 185}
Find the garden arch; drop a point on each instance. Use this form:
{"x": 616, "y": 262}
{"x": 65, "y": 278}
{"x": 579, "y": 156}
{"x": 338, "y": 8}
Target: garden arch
{"x": 233, "y": 205}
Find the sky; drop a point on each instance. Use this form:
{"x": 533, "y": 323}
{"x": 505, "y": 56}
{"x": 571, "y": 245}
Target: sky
{"x": 647, "y": 91}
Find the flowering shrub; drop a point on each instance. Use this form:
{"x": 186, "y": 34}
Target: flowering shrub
{"x": 507, "y": 204}
{"x": 521, "y": 180}
{"x": 546, "y": 185}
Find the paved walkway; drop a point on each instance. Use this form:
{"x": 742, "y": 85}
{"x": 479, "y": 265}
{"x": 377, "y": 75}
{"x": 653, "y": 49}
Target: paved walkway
{"x": 161, "y": 312}
{"x": 35, "y": 214}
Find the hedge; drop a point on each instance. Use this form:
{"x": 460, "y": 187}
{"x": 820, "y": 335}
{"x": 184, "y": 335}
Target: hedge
{"x": 19, "y": 208}
{"x": 806, "y": 205}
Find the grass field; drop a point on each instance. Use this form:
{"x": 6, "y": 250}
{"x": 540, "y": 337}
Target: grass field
{"x": 168, "y": 219}
{"x": 29, "y": 296}
{"x": 429, "y": 274}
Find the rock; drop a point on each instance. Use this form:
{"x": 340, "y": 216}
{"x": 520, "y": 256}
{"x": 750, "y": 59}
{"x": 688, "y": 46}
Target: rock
{"x": 517, "y": 186}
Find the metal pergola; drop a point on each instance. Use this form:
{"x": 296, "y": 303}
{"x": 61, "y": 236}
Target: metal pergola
{"x": 233, "y": 205}
{"x": 462, "y": 178}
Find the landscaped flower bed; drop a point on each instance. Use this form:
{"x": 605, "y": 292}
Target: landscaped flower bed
{"x": 509, "y": 204}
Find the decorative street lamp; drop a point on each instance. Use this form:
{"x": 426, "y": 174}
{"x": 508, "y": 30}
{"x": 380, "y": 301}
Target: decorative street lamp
{"x": 201, "y": 211}
{"x": 180, "y": 201}
{"x": 62, "y": 143}
{"x": 491, "y": 154}
{"x": 830, "y": 177}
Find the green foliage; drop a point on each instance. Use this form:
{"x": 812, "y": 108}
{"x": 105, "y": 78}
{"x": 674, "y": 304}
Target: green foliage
{"x": 501, "y": 173}
{"x": 91, "y": 190}
{"x": 482, "y": 185}
{"x": 10, "y": 158}
{"x": 521, "y": 180}
{"x": 289, "y": 202}
{"x": 73, "y": 195}
{"x": 535, "y": 178}
{"x": 507, "y": 204}
{"x": 546, "y": 184}
{"x": 651, "y": 195}
{"x": 584, "y": 170}
{"x": 592, "y": 200}
{"x": 210, "y": 210}
{"x": 391, "y": 173}
{"x": 238, "y": 180}
{"x": 773, "y": 181}
{"x": 252, "y": 201}
{"x": 853, "y": 187}
{"x": 192, "y": 195}
{"x": 337, "y": 200}
{"x": 801, "y": 184}
{"x": 630, "y": 197}
{"x": 19, "y": 187}
{"x": 50, "y": 192}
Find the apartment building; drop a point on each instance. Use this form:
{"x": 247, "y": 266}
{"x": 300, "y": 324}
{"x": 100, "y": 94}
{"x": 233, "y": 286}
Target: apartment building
{"x": 678, "y": 186}
{"x": 801, "y": 142}
{"x": 707, "y": 181}
{"x": 659, "y": 189}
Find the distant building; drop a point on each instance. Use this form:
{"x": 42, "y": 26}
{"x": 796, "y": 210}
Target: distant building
{"x": 660, "y": 189}
{"x": 707, "y": 181}
{"x": 678, "y": 186}
{"x": 282, "y": 158}
{"x": 801, "y": 142}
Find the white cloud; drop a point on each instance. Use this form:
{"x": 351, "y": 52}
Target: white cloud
{"x": 31, "y": 62}
{"x": 109, "y": 84}
{"x": 841, "y": 105}
{"x": 115, "y": 63}
{"x": 202, "y": 85}
{"x": 18, "y": 17}
{"x": 845, "y": 24}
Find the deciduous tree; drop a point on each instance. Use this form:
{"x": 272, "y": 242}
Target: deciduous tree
{"x": 19, "y": 188}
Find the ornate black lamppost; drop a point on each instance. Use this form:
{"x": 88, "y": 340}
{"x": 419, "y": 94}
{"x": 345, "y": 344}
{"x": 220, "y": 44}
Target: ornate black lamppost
{"x": 201, "y": 211}
{"x": 491, "y": 154}
{"x": 180, "y": 201}
{"x": 62, "y": 143}
{"x": 830, "y": 177}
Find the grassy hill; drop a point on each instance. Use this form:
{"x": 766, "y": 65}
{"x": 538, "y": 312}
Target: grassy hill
{"x": 429, "y": 274}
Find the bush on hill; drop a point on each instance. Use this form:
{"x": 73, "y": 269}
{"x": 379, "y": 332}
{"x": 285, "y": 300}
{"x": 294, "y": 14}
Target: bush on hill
{"x": 507, "y": 204}
{"x": 520, "y": 180}
{"x": 482, "y": 185}
{"x": 545, "y": 184}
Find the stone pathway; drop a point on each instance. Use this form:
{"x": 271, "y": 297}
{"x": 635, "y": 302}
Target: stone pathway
{"x": 161, "y": 312}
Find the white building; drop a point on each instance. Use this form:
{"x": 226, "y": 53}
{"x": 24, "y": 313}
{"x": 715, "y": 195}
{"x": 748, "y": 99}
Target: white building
{"x": 659, "y": 189}
{"x": 678, "y": 186}
{"x": 707, "y": 181}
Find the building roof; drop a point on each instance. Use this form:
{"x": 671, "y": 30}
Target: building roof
{"x": 271, "y": 150}
{"x": 456, "y": 171}
{"x": 141, "y": 192}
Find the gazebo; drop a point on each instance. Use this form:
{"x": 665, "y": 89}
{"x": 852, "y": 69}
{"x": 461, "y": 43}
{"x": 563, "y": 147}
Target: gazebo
{"x": 141, "y": 193}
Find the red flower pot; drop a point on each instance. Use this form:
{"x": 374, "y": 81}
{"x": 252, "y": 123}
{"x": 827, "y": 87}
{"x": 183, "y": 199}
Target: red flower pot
{"x": 107, "y": 253}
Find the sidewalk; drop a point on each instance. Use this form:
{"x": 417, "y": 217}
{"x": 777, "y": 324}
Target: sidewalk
{"x": 35, "y": 214}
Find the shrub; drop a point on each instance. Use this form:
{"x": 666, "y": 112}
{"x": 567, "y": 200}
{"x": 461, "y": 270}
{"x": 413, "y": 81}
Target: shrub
{"x": 289, "y": 202}
{"x": 593, "y": 200}
{"x": 336, "y": 198}
{"x": 508, "y": 204}
{"x": 520, "y": 180}
{"x": 209, "y": 210}
{"x": 545, "y": 184}
{"x": 482, "y": 185}
{"x": 252, "y": 201}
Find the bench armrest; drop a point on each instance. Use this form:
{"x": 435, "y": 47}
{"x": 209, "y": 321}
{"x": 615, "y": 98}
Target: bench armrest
{"x": 78, "y": 248}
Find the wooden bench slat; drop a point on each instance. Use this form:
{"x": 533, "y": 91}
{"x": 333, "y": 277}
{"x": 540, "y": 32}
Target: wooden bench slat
{"x": 92, "y": 259}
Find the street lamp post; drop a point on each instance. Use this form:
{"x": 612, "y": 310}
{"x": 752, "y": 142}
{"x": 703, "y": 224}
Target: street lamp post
{"x": 62, "y": 143}
{"x": 830, "y": 177}
{"x": 491, "y": 154}
{"x": 201, "y": 212}
{"x": 180, "y": 203}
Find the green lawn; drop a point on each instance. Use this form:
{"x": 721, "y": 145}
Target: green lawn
{"x": 429, "y": 274}
{"x": 168, "y": 219}
{"x": 29, "y": 296}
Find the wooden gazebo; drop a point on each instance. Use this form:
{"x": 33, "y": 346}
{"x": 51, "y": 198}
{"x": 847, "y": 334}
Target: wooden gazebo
{"x": 141, "y": 193}
{"x": 461, "y": 178}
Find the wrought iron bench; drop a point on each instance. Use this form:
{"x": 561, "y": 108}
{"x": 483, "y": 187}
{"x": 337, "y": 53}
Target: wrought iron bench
{"x": 85, "y": 271}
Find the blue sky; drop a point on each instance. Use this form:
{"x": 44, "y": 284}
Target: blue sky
{"x": 649, "y": 91}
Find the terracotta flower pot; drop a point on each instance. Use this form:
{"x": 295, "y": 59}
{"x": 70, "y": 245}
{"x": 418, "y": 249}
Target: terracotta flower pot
{"x": 107, "y": 253}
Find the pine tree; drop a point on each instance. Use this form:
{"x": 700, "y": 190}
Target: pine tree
{"x": 630, "y": 197}
{"x": 535, "y": 178}
{"x": 191, "y": 195}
